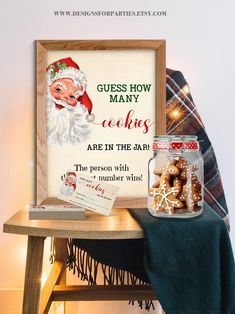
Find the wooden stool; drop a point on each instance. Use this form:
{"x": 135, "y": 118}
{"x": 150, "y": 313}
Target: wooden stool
{"x": 120, "y": 225}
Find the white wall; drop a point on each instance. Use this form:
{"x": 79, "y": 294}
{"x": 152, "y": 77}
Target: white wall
{"x": 200, "y": 43}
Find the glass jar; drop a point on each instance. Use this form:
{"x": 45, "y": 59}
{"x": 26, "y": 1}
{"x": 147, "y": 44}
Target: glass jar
{"x": 176, "y": 177}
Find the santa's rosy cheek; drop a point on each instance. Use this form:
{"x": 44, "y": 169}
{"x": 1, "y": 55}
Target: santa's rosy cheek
{"x": 55, "y": 94}
{"x": 72, "y": 102}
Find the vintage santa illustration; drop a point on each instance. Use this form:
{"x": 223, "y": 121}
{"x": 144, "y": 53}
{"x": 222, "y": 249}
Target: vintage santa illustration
{"x": 69, "y": 108}
{"x": 70, "y": 184}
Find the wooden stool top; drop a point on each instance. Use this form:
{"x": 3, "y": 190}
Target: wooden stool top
{"x": 119, "y": 225}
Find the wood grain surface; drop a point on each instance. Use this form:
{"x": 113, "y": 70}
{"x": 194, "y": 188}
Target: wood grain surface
{"x": 41, "y": 170}
{"x": 101, "y": 44}
{"x": 119, "y": 225}
{"x": 103, "y": 293}
{"x": 33, "y": 272}
{"x": 46, "y": 294}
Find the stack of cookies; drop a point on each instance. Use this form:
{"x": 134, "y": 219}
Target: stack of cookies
{"x": 178, "y": 189}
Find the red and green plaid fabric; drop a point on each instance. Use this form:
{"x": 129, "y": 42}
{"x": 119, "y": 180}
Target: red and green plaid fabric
{"x": 188, "y": 121}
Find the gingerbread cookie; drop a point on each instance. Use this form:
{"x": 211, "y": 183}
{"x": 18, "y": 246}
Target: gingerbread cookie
{"x": 195, "y": 182}
{"x": 164, "y": 197}
{"x": 190, "y": 196}
{"x": 170, "y": 169}
{"x": 197, "y": 207}
{"x": 177, "y": 182}
{"x": 185, "y": 168}
{"x": 178, "y": 190}
{"x": 164, "y": 176}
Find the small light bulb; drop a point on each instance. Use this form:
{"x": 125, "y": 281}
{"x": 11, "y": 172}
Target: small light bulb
{"x": 175, "y": 113}
{"x": 186, "y": 89}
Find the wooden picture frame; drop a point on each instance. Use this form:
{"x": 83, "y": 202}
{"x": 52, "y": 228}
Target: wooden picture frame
{"x": 46, "y": 46}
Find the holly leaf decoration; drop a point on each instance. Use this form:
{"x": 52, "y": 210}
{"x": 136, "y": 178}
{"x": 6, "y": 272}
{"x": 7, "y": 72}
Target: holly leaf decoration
{"x": 63, "y": 66}
{"x": 52, "y": 74}
{"x": 55, "y": 68}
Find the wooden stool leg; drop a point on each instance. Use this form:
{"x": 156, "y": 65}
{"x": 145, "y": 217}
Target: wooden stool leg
{"x": 33, "y": 273}
{"x": 61, "y": 255}
{"x": 57, "y": 275}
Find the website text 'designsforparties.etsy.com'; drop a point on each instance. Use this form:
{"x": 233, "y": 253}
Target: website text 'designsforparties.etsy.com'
{"x": 109, "y": 13}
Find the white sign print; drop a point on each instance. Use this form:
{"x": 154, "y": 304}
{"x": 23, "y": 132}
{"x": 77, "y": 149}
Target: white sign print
{"x": 99, "y": 105}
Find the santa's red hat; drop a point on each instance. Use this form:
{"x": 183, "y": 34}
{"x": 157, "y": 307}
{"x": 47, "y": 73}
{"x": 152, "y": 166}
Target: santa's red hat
{"x": 71, "y": 174}
{"x": 67, "y": 68}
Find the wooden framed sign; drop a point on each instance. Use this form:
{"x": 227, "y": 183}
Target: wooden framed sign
{"x": 99, "y": 105}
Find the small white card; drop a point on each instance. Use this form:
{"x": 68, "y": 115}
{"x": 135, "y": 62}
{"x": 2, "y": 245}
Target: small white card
{"x": 56, "y": 212}
{"x": 89, "y": 193}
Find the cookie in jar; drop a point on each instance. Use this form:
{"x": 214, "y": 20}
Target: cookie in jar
{"x": 176, "y": 176}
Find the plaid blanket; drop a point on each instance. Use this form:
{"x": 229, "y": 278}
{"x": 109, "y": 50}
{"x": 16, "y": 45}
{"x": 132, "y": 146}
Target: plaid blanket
{"x": 189, "y": 122}
{"x": 117, "y": 264}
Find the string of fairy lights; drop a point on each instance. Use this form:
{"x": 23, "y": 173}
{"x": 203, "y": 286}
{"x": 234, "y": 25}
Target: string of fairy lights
{"x": 175, "y": 110}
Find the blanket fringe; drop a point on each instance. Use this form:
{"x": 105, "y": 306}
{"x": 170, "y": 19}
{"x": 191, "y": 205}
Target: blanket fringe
{"x": 86, "y": 267}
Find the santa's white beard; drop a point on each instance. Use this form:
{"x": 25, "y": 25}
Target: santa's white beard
{"x": 67, "y": 125}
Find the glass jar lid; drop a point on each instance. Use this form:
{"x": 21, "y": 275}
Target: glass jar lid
{"x": 175, "y": 142}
